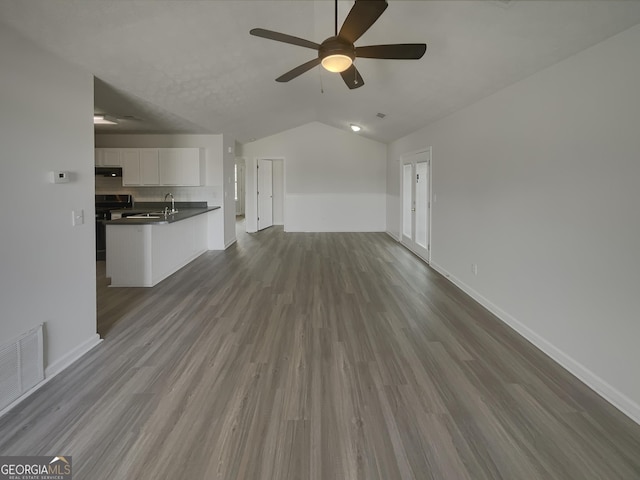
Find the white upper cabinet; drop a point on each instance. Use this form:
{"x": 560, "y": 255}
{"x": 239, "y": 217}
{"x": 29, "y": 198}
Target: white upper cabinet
{"x": 170, "y": 166}
{"x": 181, "y": 166}
{"x": 155, "y": 166}
{"x": 130, "y": 166}
{"x": 140, "y": 166}
{"x": 108, "y": 157}
{"x": 149, "y": 168}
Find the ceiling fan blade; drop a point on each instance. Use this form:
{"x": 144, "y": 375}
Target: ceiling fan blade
{"x": 299, "y": 70}
{"x": 399, "y": 51}
{"x": 283, "y": 37}
{"x": 363, "y": 14}
{"x": 352, "y": 77}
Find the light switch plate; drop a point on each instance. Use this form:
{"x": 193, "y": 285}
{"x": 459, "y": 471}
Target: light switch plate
{"x": 77, "y": 217}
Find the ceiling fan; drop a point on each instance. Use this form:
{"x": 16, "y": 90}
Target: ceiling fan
{"x": 337, "y": 53}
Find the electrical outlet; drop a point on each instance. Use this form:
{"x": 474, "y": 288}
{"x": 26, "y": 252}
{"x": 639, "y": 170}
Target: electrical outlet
{"x": 474, "y": 268}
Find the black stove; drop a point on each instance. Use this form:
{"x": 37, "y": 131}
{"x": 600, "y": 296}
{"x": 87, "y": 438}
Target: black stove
{"x": 104, "y": 205}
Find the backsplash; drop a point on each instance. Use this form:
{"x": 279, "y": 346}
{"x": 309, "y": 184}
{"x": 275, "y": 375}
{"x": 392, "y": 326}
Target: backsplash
{"x": 212, "y": 195}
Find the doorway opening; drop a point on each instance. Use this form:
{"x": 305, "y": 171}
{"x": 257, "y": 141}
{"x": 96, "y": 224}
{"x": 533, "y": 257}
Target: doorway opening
{"x": 265, "y": 194}
{"x": 269, "y": 188}
{"x": 239, "y": 186}
{"x": 239, "y": 192}
{"x": 416, "y": 203}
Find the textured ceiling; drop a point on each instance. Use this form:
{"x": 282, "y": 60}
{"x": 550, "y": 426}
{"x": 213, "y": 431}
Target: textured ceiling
{"x": 191, "y": 66}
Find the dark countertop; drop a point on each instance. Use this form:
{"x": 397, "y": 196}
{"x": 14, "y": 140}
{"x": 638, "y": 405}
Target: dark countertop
{"x": 182, "y": 214}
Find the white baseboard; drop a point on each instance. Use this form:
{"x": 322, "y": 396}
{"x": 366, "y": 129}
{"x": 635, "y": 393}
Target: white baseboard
{"x": 229, "y": 243}
{"x": 619, "y": 400}
{"x": 57, "y": 367}
{"x": 394, "y": 236}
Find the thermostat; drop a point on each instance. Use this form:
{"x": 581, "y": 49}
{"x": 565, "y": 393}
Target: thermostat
{"x": 59, "y": 177}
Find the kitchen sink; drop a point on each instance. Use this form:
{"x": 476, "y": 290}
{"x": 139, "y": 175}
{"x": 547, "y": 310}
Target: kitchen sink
{"x": 150, "y": 215}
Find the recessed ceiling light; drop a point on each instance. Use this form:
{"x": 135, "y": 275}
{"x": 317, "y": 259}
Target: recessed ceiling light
{"x": 355, "y": 128}
{"x": 102, "y": 119}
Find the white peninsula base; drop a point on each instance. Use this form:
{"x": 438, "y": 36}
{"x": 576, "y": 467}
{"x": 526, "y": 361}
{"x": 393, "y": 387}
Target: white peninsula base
{"x": 144, "y": 255}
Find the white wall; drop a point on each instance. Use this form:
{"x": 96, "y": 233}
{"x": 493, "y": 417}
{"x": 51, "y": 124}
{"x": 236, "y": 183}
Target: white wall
{"x": 214, "y": 191}
{"x": 334, "y": 180}
{"x": 538, "y": 185}
{"x": 47, "y": 266}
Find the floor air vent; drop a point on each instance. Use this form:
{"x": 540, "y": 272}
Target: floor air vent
{"x": 21, "y": 365}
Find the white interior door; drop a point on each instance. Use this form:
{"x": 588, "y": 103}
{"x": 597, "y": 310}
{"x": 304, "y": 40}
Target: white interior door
{"x": 278, "y": 192}
{"x": 265, "y": 194}
{"x": 416, "y": 203}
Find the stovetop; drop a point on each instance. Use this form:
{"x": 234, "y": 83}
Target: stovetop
{"x": 108, "y": 202}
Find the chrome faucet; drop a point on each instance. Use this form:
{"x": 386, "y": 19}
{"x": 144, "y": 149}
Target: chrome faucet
{"x": 173, "y": 204}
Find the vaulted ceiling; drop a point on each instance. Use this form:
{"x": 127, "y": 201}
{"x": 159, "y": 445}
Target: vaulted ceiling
{"x": 192, "y": 67}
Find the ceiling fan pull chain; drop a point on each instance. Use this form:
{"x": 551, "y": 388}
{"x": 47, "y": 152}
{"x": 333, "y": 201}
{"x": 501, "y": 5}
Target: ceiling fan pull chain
{"x": 336, "y": 19}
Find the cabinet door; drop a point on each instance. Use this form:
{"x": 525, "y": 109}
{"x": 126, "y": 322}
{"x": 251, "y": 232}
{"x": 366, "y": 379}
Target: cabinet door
{"x": 130, "y": 167}
{"x": 170, "y": 166}
{"x": 111, "y": 157}
{"x": 190, "y": 163}
{"x": 99, "y": 154}
{"x": 149, "y": 168}
{"x": 107, "y": 157}
{"x": 180, "y": 166}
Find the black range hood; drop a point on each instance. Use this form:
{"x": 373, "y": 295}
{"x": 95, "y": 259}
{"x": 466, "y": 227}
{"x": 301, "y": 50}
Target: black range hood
{"x": 109, "y": 171}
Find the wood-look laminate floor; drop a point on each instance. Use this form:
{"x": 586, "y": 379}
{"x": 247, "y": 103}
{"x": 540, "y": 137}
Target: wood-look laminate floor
{"x": 316, "y": 356}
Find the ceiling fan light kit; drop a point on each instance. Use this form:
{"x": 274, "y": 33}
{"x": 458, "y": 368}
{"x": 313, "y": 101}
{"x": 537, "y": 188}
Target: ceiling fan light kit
{"x": 337, "y": 63}
{"x": 337, "y": 53}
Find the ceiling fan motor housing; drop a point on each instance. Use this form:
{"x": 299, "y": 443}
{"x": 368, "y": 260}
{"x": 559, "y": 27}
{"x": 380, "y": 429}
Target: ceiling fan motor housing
{"x": 336, "y": 46}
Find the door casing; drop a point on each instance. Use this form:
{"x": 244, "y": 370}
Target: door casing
{"x": 412, "y": 158}
{"x": 265, "y": 194}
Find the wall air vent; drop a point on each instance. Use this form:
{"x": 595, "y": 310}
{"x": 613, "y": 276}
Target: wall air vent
{"x": 21, "y": 365}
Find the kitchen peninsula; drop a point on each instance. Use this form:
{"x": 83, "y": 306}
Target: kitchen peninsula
{"x": 149, "y": 243}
